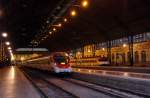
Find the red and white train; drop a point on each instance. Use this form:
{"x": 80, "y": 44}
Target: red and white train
{"x": 57, "y": 62}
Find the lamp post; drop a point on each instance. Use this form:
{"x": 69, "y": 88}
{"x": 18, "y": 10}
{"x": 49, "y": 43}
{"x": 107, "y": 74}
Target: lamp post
{"x": 3, "y": 35}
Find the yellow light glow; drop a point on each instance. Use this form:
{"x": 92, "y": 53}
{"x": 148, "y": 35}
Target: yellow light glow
{"x": 65, "y": 19}
{"x": 103, "y": 49}
{"x": 89, "y": 50}
{"x": 7, "y": 43}
{"x": 85, "y": 3}
{"x": 50, "y": 33}
{"x": 63, "y": 63}
{"x": 22, "y": 59}
{"x": 124, "y": 45}
{"x": 78, "y": 53}
{"x": 54, "y": 29}
{"x": 12, "y": 57}
{"x": 11, "y": 73}
{"x": 9, "y": 48}
{"x": 126, "y": 74}
{"x": 73, "y": 13}
{"x": 10, "y": 51}
{"x": 59, "y": 24}
{"x": 4, "y": 34}
{"x": 90, "y": 71}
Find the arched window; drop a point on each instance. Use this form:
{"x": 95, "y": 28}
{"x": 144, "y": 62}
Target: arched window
{"x": 136, "y": 57}
{"x": 113, "y": 58}
{"x": 128, "y": 55}
{"x": 143, "y": 56}
{"x": 123, "y": 58}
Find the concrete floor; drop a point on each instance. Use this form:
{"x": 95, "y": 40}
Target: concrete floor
{"x": 13, "y": 84}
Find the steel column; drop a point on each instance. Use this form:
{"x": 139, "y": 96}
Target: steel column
{"x": 109, "y": 51}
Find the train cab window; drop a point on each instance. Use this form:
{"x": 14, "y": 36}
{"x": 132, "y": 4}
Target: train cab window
{"x": 61, "y": 59}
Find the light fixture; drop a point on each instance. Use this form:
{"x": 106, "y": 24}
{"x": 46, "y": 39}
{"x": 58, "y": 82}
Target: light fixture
{"x": 124, "y": 45}
{"x": 54, "y": 29}
{"x": 7, "y": 43}
{"x": 103, "y": 49}
{"x": 85, "y": 3}
{"x": 10, "y": 51}
{"x": 65, "y": 19}
{"x": 89, "y": 50}
{"x": 4, "y": 34}
{"x": 59, "y": 24}
{"x": 9, "y": 48}
{"x": 73, "y": 13}
{"x": 50, "y": 33}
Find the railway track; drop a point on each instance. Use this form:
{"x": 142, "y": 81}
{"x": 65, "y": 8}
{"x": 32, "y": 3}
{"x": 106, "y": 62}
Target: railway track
{"x": 75, "y": 88}
{"x": 46, "y": 89}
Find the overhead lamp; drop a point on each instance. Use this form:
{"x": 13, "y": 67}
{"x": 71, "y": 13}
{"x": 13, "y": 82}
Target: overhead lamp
{"x": 10, "y": 51}
{"x": 89, "y": 50}
{"x": 9, "y": 48}
{"x": 59, "y": 24}
{"x": 4, "y": 34}
{"x": 54, "y": 29}
{"x": 50, "y": 33}
{"x": 103, "y": 49}
{"x": 124, "y": 45}
{"x": 65, "y": 19}
{"x": 7, "y": 43}
{"x": 73, "y": 13}
{"x": 85, "y": 3}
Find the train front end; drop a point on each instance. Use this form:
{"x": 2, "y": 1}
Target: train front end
{"x": 61, "y": 61}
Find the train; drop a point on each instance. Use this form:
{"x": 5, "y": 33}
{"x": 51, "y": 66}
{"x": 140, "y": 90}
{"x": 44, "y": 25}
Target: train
{"x": 57, "y": 62}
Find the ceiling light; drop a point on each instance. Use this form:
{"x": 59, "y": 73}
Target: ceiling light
{"x": 54, "y": 29}
{"x": 73, "y": 13}
{"x": 59, "y": 24}
{"x": 4, "y": 34}
{"x": 9, "y": 48}
{"x": 50, "y": 32}
{"x": 7, "y": 43}
{"x": 85, "y": 3}
{"x": 65, "y": 19}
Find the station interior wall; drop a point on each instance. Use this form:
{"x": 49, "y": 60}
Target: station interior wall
{"x": 119, "y": 54}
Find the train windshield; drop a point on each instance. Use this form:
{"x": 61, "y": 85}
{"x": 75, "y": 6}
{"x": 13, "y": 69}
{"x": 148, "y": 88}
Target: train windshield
{"x": 61, "y": 59}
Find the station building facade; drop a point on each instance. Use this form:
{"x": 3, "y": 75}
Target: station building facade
{"x": 119, "y": 50}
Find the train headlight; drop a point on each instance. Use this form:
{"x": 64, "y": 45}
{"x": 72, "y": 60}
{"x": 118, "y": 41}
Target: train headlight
{"x": 63, "y": 63}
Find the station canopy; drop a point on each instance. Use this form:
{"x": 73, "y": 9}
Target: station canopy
{"x": 30, "y": 21}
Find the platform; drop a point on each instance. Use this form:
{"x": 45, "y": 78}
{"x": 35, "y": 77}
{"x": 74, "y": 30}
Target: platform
{"x": 117, "y": 68}
{"x": 13, "y": 84}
